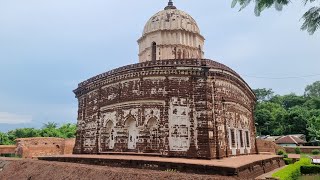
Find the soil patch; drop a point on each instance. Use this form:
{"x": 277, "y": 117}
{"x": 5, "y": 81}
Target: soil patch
{"x": 38, "y": 170}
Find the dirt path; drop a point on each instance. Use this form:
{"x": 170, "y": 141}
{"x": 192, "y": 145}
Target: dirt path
{"x": 43, "y": 170}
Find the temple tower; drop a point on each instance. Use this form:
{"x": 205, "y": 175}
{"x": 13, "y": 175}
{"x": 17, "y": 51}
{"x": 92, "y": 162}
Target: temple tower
{"x": 171, "y": 34}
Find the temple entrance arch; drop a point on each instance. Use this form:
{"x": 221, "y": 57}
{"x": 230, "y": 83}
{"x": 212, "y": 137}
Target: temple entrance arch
{"x": 132, "y": 132}
{"x": 110, "y": 131}
{"x": 152, "y": 126}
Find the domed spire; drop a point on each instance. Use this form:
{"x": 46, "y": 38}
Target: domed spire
{"x": 170, "y": 5}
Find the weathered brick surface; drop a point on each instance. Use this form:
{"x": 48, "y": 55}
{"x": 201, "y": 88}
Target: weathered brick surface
{"x": 7, "y": 149}
{"x": 33, "y": 147}
{"x": 268, "y": 146}
{"x": 68, "y": 145}
{"x": 182, "y": 108}
{"x": 304, "y": 149}
{"x": 243, "y": 167}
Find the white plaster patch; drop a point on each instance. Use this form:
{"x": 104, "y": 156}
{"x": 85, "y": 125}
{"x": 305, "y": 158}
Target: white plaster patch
{"x": 109, "y": 116}
{"x": 179, "y": 127}
{"x": 151, "y": 113}
{"x": 155, "y": 78}
{"x": 133, "y": 103}
{"x": 131, "y": 112}
{"x": 112, "y": 97}
{"x": 91, "y": 125}
{"x": 178, "y": 78}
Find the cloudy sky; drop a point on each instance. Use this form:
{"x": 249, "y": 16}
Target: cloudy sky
{"x": 48, "y": 46}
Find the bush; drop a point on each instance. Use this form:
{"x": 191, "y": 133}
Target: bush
{"x": 285, "y": 155}
{"x": 288, "y": 161}
{"x": 297, "y": 150}
{"x": 292, "y": 171}
{"x": 315, "y": 152}
{"x": 281, "y": 152}
{"x": 9, "y": 155}
{"x": 310, "y": 169}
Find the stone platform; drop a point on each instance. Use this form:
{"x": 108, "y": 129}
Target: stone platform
{"x": 249, "y": 166}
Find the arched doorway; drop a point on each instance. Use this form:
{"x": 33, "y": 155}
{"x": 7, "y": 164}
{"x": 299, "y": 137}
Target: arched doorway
{"x": 111, "y": 138}
{"x": 152, "y": 126}
{"x": 132, "y": 133}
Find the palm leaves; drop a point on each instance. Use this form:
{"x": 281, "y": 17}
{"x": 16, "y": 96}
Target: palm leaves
{"x": 311, "y": 18}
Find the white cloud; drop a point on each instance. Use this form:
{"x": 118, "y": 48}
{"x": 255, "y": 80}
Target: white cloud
{"x": 9, "y": 118}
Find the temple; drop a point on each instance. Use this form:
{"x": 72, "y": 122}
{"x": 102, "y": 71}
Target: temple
{"x": 174, "y": 102}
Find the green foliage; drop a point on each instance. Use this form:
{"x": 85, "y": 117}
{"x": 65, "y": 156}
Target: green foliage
{"x": 285, "y": 155}
{"x": 50, "y": 125}
{"x": 263, "y": 94}
{"x": 10, "y": 155}
{"x": 288, "y": 114}
{"x": 310, "y": 169}
{"x": 292, "y": 171}
{"x": 49, "y": 130}
{"x": 297, "y": 150}
{"x": 171, "y": 170}
{"x": 315, "y": 152}
{"x": 313, "y": 90}
{"x": 311, "y": 17}
{"x": 281, "y": 152}
{"x": 4, "y": 139}
{"x": 68, "y": 130}
{"x": 288, "y": 161}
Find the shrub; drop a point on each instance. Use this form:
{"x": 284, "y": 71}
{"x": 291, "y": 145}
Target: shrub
{"x": 292, "y": 171}
{"x": 171, "y": 170}
{"x": 297, "y": 150}
{"x": 288, "y": 161}
{"x": 285, "y": 155}
{"x": 10, "y": 155}
{"x": 310, "y": 169}
{"x": 315, "y": 152}
{"x": 281, "y": 152}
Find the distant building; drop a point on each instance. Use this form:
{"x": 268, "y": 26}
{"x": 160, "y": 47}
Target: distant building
{"x": 269, "y": 138}
{"x": 300, "y": 136}
{"x": 290, "y": 141}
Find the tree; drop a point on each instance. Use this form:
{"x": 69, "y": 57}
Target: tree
{"x": 50, "y": 132}
{"x": 50, "y": 125}
{"x": 263, "y": 94}
{"x": 4, "y": 139}
{"x": 68, "y": 130}
{"x": 314, "y": 128}
{"x": 297, "y": 121}
{"x": 311, "y": 17}
{"x": 313, "y": 90}
{"x": 270, "y": 118}
{"x": 292, "y": 100}
{"x": 49, "y": 129}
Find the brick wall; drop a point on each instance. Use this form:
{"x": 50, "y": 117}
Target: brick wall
{"x": 33, "y": 147}
{"x": 304, "y": 149}
{"x": 267, "y": 146}
{"x": 7, "y": 149}
{"x": 68, "y": 146}
{"x": 182, "y": 108}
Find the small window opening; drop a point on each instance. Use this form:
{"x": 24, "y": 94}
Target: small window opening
{"x": 241, "y": 138}
{"x": 233, "y": 138}
{"x": 154, "y": 51}
{"x": 247, "y": 139}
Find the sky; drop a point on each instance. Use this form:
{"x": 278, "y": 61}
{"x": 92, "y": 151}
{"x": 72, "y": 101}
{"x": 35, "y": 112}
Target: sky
{"x": 48, "y": 47}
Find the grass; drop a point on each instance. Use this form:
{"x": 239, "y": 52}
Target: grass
{"x": 292, "y": 171}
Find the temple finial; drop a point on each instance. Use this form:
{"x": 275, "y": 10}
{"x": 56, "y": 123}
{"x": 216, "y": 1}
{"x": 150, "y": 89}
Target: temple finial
{"x": 170, "y": 5}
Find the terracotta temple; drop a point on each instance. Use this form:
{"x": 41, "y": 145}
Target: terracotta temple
{"x": 174, "y": 102}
